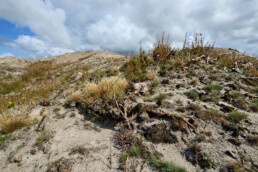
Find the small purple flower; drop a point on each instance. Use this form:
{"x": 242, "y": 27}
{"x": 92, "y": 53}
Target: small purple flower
{"x": 124, "y": 139}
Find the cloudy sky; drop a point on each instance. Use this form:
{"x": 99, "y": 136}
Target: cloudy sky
{"x": 41, "y": 28}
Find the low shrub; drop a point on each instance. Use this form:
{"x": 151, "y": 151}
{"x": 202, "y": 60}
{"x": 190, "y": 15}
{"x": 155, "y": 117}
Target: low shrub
{"x": 135, "y": 69}
{"x": 124, "y": 139}
{"x": 162, "y": 49}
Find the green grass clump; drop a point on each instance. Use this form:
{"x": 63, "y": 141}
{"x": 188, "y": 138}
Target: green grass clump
{"x": 237, "y": 117}
{"x": 254, "y": 105}
{"x": 56, "y": 110}
{"x": 3, "y": 138}
{"x": 212, "y": 97}
{"x": 236, "y": 94}
{"x": 44, "y": 137}
{"x": 154, "y": 84}
{"x": 72, "y": 115}
{"x": 192, "y": 95}
{"x": 194, "y": 107}
{"x": 212, "y": 87}
{"x": 135, "y": 151}
{"x": 159, "y": 97}
{"x": 190, "y": 74}
{"x": 79, "y": 150}
{"x": 240, "y": 103}
{"x": 165, "y": 166}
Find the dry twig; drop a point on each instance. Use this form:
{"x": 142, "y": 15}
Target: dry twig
{"x": 156, "y": 112}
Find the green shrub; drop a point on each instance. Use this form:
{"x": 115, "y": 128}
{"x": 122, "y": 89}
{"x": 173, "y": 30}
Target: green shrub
{"x": 165, "y": 166}
{"x": 135, "y": 151}
{"x": 237, "y": 117}
{"x": 135, "y": 69}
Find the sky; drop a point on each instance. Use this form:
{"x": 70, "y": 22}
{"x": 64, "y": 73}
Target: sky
{"x": 43, "y": 28}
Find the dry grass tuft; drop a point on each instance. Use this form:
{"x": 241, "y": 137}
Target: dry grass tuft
{"x": 8, "y": 124}
{"x": 107, "y": 89}
{"x": 152, "y": 75}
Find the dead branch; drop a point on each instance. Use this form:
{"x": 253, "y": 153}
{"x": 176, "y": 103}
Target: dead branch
{"x": 124, "y": 113}
{"x": 160, "y": 113}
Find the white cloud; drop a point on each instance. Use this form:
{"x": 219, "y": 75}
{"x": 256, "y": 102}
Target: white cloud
{"x": 127, "y": 35}
{"x": 41, "y": 17}
{"x": 6, "y": 55}
{"x": 65, "y": 25}
{"x": 35, "y": 47}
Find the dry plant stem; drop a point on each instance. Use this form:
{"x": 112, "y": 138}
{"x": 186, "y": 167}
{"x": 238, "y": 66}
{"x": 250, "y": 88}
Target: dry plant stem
{"x": 124, "y": 113}
{"x": 156, "y": 112}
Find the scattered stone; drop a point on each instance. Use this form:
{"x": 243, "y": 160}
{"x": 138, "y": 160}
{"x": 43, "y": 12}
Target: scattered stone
{"x": 17, "y": 160}
{"x": 231, "y": 154}
{"x": 235, "y": 141}
{"x": 165, "y": 82}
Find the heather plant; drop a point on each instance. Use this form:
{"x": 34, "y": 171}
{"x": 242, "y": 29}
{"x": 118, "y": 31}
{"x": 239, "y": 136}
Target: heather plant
{"x": 124, "y": 139}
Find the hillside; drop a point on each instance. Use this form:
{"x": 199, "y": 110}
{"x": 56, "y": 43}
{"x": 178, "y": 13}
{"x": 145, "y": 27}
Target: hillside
{"x": 184, "y": 110}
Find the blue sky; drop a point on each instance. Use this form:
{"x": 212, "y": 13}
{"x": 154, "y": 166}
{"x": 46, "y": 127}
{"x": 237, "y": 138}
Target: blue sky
{"x": 9, "y": 32}
{"x": 37, "y": 28}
